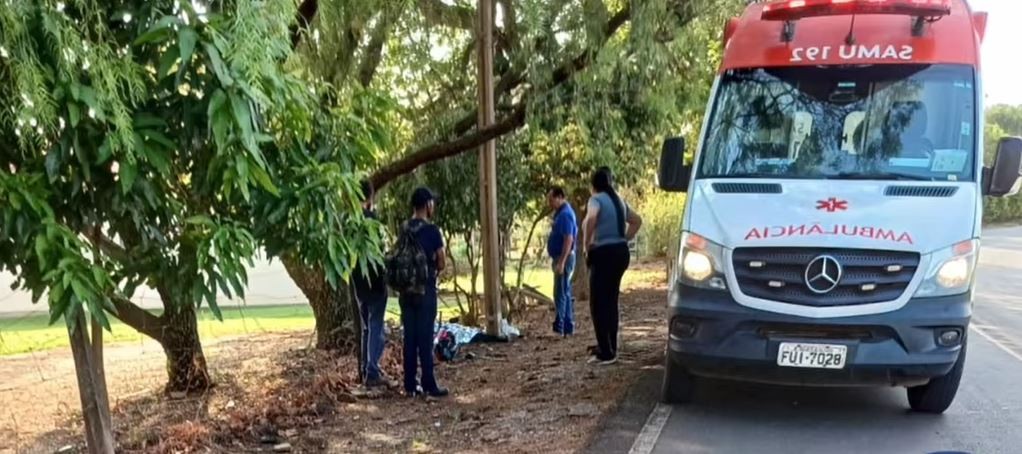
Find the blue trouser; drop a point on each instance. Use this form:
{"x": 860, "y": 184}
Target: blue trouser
{"x": 373, "y": 307}
{"x": 564, "y": 301}
{"x": 418, "y": 315}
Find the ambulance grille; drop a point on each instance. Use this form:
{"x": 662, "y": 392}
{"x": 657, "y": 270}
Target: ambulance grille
{"x": 920, "y": 191}
{"x": 747, "y": 188}
{"x": 869, "y": 276}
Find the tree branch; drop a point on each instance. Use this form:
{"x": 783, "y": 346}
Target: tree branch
{"x": 107, "y": 245}
{"x": 439, "y": 13}
{"x": 306, "y": 12}
{"x": 510, "y": 24}
{"x": 508, "y": 82}
{"x": 436, "y": 152}
{"x": 373, "y": 54}
{"x": 137, "y": 318}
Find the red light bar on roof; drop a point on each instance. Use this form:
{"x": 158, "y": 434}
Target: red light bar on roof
{"x": 789, "y": 10}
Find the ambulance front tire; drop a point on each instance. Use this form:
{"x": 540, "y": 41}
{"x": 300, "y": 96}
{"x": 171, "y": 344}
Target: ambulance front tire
{"x": 936, "y": 396}
{"x": 678, "y": 385}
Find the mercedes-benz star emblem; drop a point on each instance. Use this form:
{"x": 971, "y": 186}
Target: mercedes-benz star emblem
{"x": 823, "y": 274}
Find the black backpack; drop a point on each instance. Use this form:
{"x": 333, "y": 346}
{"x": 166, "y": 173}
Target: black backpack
{"x": 407, "y": 264}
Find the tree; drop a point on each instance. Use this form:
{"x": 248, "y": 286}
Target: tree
{"x": 163, "y": 143}
{"x": 605, "y": 60}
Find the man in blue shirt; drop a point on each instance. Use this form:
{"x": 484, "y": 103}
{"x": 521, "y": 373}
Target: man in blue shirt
{"x": 561, "y": 248}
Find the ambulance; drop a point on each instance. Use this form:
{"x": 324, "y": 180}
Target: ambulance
{"x": 832, "y": 222}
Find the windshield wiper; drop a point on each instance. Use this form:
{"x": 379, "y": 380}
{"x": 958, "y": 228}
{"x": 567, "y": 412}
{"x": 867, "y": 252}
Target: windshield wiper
{"x": 778, "y": 176}
{"x": 888, "y": 176}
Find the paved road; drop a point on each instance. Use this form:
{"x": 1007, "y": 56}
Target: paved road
{"x": 268, "y": 284}
{"x": 744, "y": 418}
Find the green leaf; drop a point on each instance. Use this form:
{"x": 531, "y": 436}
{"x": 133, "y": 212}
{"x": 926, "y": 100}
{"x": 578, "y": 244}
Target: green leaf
{"x": 243, "y": 118}
{"x": 215, "y": 309}
{"x": 128, "y": 172}
{"x": 264, "y": 180}
{"x": 95, "y": 306}
{"x": 145, "y": 120}
{"x": 167, "y": 60}
{"x": 98, "y": 277}
{"x": 56, "y": 294}
{"x": 81, "y": 291}
{"x": 88, "y": 96}
{"x": 58, "y": 307}
{"x": 199, "y": 220}
{"x": 186, "y": 39}
{"x": 160, "y": 138}
{"x": 219, "y": 67}
{"x": 158, "y": 158}
{"x": 216, "y": 102}
{"x": 53, "y": 164}
{"x": 104, "y": 152}
{"x": 40, "y": 252}
{"x": 159, "y": 31}
{"x": 74, "y": 114}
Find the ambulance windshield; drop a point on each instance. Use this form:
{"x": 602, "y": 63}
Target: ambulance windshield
{"x": 898, "y": 122}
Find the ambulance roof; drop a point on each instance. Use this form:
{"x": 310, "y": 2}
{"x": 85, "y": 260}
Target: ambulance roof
{"x": 753, "y": 42}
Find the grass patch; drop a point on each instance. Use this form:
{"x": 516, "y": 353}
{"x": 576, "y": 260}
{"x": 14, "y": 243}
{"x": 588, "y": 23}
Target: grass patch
{"x": 542, "y": 278}
{"x": 32, "y": 333}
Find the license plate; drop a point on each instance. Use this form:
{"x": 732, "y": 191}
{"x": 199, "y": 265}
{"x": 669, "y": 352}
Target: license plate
{"x": 813, "y": 356}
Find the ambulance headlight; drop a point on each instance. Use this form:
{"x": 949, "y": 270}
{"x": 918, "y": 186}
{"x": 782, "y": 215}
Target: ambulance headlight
{"x": 697, "y": 266}
{"x": 700, "y": 263}
{"x": 951, "y": 270}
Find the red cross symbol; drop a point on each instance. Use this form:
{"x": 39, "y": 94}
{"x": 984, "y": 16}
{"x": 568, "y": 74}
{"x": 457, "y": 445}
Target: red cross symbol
{"x": 832, "y": 204}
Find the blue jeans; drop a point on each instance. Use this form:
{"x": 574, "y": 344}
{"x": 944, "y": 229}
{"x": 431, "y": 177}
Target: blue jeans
{"x": 418, "y": 315}
{"x": 564, "y": 301}
{"x": 373, "y": 307}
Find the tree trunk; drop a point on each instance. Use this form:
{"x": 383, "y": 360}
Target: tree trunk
{"x": 186, "y": 365}
{"x": 95, "y": 409}
{"x": 334, "y": 309}
{"x": 580, "y": 281}
{"x": 100, "y": 372}
{"x": 177, "y": 331}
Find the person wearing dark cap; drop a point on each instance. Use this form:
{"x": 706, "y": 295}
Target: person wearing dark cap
{"x": 418, "y": 312}
{"x": 371, "y": 295}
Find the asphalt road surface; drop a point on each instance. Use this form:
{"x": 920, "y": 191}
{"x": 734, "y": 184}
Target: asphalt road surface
{"x": 745, "y": 418}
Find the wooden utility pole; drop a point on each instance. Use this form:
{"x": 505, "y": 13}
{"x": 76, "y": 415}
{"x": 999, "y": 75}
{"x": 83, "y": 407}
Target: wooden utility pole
{"x": 91, "y": 385}
{"x": 488, "y": 172}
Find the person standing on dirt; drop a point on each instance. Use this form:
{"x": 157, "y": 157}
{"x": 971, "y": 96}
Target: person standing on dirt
{"x": 419, "y": 311}
{"x": 371, "y": 295}
{"x": 561, "y": 248}
{"x": 608, "y": 227}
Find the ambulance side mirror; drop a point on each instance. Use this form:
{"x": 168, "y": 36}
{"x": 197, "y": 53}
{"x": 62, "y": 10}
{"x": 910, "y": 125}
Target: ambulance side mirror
{"x": 674, "y": 175}
{"x": 1004, "y": 178}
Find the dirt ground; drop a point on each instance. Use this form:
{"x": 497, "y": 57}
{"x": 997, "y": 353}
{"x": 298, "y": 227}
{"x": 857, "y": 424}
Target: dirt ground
{"x": 533, "y": 395}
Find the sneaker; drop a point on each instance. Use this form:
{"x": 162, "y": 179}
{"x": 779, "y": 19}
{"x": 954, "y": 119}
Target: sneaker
{"x": 606, "y": 362}
{"x": 438, "y": 393}
{"x": 417, "y": 392}
{"x": 361, "y": 391}
{"x": 381, "y": 382}
{"x": 596, "y": 361}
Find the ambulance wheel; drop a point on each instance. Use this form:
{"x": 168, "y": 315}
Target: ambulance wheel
{"x": 937, "y": 395}
{"x": 679, "y": 385}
